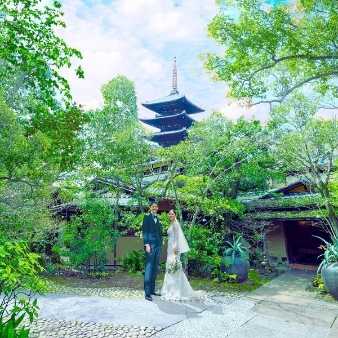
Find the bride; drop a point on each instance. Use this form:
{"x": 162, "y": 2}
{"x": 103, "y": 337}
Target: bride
{"x": 176, "y": 285}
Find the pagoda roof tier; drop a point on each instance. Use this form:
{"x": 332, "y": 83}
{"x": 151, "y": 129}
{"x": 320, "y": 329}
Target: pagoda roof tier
{"x": 170, "y": 121}
{"x": 176, "y": 132}
{"x": 169, "y": 138}
{"x": 172, "y": 104}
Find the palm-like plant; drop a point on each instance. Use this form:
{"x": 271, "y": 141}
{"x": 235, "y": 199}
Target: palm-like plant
{"x": 331, "y": 252}
{"x": 236, "y": 248}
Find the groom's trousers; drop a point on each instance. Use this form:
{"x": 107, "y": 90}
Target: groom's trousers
{"x": 151, "y": 268}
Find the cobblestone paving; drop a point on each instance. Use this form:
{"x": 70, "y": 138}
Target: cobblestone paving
{"x": 114, "y": 292}
{"x": 45, "y": 328}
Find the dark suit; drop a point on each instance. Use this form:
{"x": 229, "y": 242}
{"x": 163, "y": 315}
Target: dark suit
{"x": 152, "y": 235}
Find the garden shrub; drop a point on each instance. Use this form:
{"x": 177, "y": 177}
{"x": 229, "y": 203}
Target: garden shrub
{"x": 134, "y": 261}
{"x": 205, "y": 255}
{"x": 256, "y": 257}
{"x": 19, "y": 282}
{"x": 87, "y": 237}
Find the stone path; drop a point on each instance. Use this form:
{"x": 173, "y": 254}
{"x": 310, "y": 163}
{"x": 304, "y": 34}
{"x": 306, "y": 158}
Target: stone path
{"x": 282, "y": 308}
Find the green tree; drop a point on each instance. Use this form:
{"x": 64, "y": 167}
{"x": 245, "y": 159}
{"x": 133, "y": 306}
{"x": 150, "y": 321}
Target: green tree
{"x": 40, "y": 125}
{"x": 333, "y": 186}
{"x": 31, "y": 53}
{"x": 220, "y": 159}
{"x": 307, "y": 147}
{"x": 25, "y": 179}
{"x": 119, "y": 102}
{"x": 105, "y": 132}
{"x": 234, "y": 154}
{"x": 89, "y": 235}
{"x": 273, "y": 49}
{"x": 117, "y": 150}
{"x": 39, "y": 128}
{"x": 62, "y": 128}
{"x": 30, "y": 56}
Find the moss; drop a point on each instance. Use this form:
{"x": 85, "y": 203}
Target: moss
{"x": 289, "y": 214}
{"x": 310, "y": 201}
{"x": 253, "y": 282}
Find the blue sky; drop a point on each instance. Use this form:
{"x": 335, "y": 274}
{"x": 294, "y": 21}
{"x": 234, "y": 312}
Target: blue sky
{"x": 139, "y": 39}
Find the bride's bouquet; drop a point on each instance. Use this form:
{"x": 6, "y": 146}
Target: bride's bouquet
{"x": 174, "y": 266}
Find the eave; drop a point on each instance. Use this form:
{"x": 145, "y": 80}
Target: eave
{"x": 171, "y": 134}
{"x": 172, "y": 103}
{"x": 161, "y": 122}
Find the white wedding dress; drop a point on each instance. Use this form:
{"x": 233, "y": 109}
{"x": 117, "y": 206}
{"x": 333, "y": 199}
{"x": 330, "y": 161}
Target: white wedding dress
{"x": 176, "y": 286}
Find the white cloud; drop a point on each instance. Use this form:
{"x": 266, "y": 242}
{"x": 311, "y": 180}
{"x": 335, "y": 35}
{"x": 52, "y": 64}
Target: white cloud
{"x": 234, "y": 111}
{"x": 327, "y": 113}
{"x": 139, "y": 39}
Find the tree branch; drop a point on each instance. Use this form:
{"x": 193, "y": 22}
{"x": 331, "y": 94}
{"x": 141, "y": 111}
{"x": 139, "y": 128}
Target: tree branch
{"x": 287, "y": 58}
{"x": 316, "y": 77}
{"x": 298, "y": 85}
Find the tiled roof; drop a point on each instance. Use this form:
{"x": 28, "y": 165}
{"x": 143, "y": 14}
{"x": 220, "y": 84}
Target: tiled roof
{"x": 171, "y": 103}
{"x": 159, "y": 122}
{"x": 171, "y": 132}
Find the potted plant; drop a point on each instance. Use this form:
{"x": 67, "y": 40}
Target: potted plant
{"x": 235, "y": 259}
{"x": 328, "y": 268}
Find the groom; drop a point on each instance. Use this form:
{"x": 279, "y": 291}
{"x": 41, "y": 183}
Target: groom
{"x": 152, "y": 238}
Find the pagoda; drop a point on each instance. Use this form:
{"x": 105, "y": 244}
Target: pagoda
{"x": 172, "y": 116}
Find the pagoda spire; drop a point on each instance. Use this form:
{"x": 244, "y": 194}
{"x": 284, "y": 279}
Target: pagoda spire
{"x": 174, "y": 91}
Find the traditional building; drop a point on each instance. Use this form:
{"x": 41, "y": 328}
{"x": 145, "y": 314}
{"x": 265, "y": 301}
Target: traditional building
{"x": 172, "y": 116}
{"x": 296, "y": 214}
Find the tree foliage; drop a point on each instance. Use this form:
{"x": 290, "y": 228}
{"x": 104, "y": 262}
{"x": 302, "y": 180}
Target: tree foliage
{"x": 25, "y": 177}
{"x": 116, "y": 152}
{"x": 19, "y": 282}
{"x": 89, "y": 235}
{"x": 120, "y": 101}
{"x": 30, "y": 56}
{"x": 234, "y": 154}
{"x": 273, "y": 49}
{"x": 31, "y": 53}
{"x": 39, "y": 123}
{"x": 220, "y": 159}
{"x": 113, "y": 134}
{"x": 307, "y": 147}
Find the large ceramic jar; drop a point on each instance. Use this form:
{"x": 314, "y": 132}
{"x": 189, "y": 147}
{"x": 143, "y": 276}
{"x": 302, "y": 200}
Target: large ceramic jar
{"x": 239, "y": 267}
{"x": 329, "y": 274}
